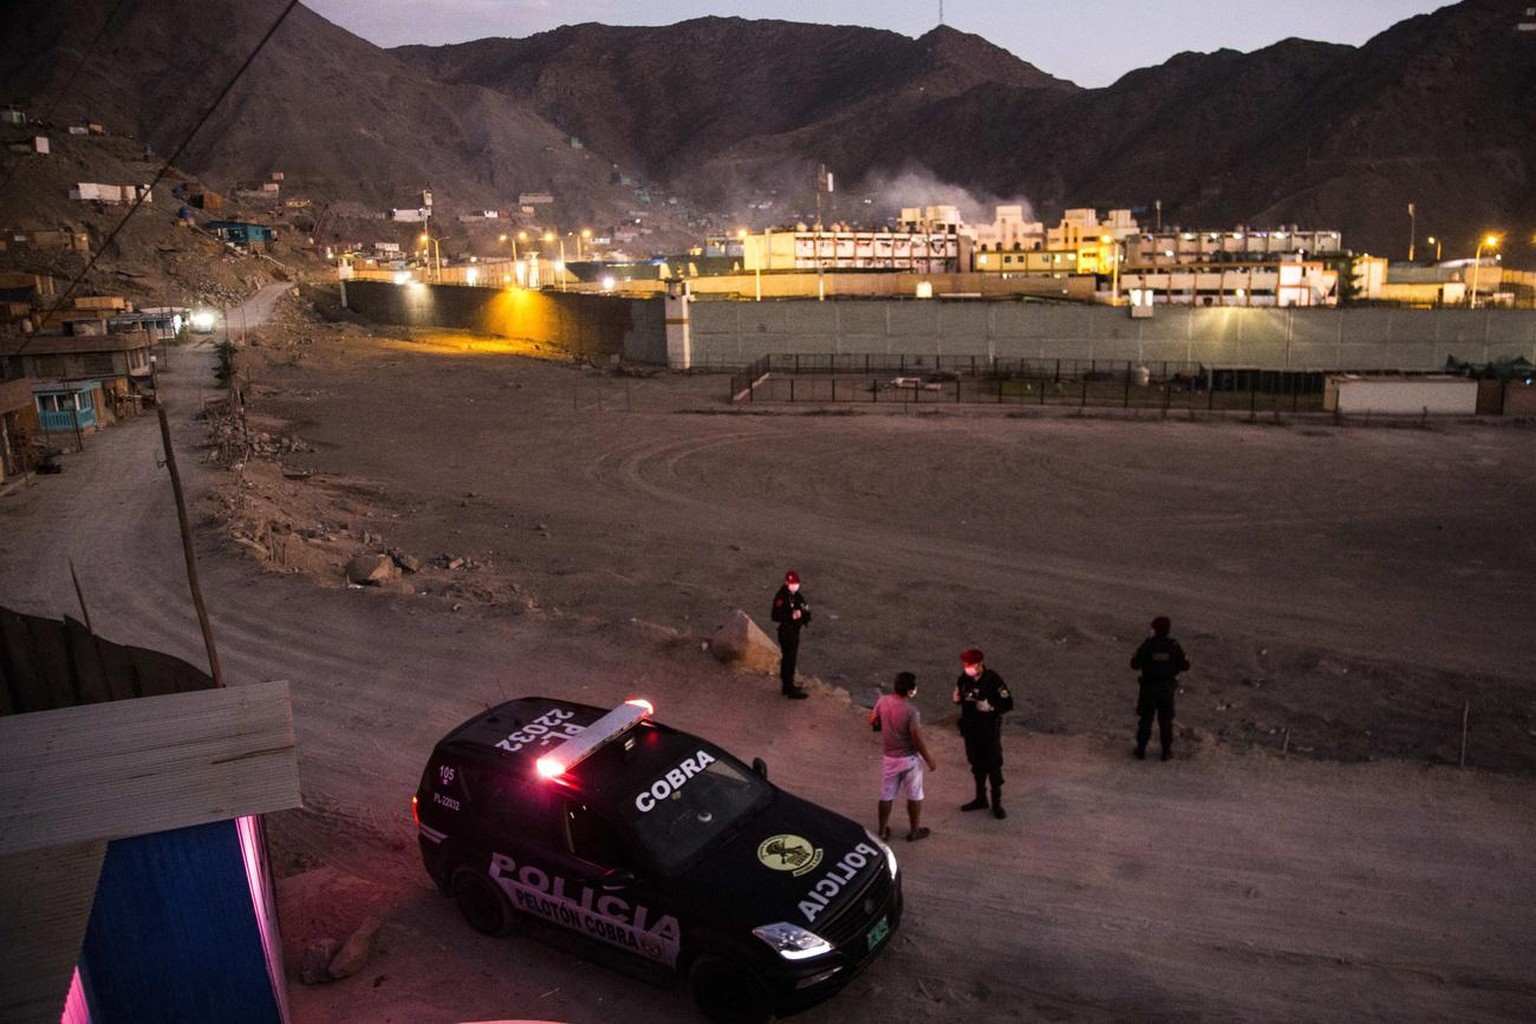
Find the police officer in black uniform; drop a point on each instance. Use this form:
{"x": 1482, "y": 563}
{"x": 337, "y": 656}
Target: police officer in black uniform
{"x": 983, "y": 700}
{"x": 792, "y": 613}
{"x": 1159, "y": 659}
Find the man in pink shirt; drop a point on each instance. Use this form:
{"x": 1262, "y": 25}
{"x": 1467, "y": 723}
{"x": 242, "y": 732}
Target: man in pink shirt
{"x": 899, "y": 724}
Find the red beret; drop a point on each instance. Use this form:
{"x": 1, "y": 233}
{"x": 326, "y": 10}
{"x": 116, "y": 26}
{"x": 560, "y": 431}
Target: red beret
{"x": 971, "y": 656}
{"x": 791, "y": 577}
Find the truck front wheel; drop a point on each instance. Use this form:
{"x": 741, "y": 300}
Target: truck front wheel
{"x": 726, "y": 992}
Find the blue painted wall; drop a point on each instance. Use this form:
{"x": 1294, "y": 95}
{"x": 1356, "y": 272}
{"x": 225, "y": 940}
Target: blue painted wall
{"x": 173, "y": 936}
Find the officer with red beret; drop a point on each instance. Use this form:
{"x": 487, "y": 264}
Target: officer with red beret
{"x": 792, "y": 613}
{"x": 984, "y": 699}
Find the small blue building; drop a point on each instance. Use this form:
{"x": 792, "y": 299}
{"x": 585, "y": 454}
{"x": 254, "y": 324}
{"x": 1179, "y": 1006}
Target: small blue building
{"x": 238, "y": 232}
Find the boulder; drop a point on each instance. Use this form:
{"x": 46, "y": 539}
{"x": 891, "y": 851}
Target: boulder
{"x": 741, "y": 643}
{"x": 314, "y": 967}
{"x": 356, "y": 950}
{"x": 370, "y": 569}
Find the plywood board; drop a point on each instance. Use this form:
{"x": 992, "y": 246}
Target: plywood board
{"x": 131, "y": 767}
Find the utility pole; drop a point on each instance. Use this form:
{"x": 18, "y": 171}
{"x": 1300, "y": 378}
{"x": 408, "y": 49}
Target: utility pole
{"x": 823, "y": 184}
{"x": 1411, "y": 233}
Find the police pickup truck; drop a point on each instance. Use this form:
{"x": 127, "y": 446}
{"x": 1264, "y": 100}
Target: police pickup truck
{"x": 657, "y": 845}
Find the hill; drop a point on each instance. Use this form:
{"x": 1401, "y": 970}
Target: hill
{"x": 717, "y": 122}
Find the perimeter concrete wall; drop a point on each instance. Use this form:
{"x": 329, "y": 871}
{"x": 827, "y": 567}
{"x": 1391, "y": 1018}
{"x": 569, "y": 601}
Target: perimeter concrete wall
{"x": 729, "y": 334}
{"x": 736, "y": 333}
{"x": 584, "y": 326}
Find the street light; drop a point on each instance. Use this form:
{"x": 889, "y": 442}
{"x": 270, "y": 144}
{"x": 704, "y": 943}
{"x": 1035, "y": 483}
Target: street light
{"x": 521, "y": 236}
{"x": 586, "y": 233}
{"x": 1490, "y": 241}
{"x": 437, "y": 251}
{"x": 1436, "y": 243}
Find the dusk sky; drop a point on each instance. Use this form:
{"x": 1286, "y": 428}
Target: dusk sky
{"x": 1090, "y": 42}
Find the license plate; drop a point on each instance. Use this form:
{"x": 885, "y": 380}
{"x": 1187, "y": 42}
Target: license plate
{"x": 878, "y": 933}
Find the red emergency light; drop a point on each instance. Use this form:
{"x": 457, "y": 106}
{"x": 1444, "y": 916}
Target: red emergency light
{"x": 576, "y": 749}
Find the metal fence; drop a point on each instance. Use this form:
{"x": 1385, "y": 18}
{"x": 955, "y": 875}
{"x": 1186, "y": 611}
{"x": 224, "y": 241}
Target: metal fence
{"x": 976, "y": 380}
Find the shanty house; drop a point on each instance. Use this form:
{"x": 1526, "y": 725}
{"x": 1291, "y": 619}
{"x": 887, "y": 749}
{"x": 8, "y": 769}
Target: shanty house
{"x": 133, "y": 861}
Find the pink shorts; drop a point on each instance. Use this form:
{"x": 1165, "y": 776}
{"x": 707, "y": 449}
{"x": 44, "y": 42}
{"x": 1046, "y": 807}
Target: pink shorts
{"x": 901, "y": 775}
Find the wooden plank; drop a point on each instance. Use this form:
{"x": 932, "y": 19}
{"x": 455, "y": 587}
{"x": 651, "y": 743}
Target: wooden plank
{"x": 25, "y": 679}
{"x": 132, "y": 767}
{"x": 90, "y": 677}
{"x": 47, "y": 896}
{"x": 121, "y": 673}
{"x": 160, "y": 673}
{"x": 45, "y": 664}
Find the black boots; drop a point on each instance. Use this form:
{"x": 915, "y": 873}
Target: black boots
{"x": 981, "y": 802}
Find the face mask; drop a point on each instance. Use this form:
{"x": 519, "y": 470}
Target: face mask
{"x": 794, "y": 588}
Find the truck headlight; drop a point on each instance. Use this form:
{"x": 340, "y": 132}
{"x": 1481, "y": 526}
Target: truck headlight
{"x": 791, "y": 941}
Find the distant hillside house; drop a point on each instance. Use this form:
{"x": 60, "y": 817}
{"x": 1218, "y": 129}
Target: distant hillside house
{"x": 36, "y": 144}
{"x": 97, "y": 192}
{"x": 236, "y": 232}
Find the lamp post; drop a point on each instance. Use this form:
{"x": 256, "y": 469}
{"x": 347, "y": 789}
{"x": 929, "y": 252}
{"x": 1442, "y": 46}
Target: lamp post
{"x": 1490, "y": 241}
{"x": 521, "y": 236}
{"x": 586, "y": 233}
{"x": 1436, "y": 243}
{"x": 550, "y": 236}
{"x": 437, "y": 251}
{"x": 1114, "y": 274}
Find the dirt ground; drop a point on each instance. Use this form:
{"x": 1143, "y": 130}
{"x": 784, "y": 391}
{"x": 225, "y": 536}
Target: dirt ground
{"x": 1344, "y": 593}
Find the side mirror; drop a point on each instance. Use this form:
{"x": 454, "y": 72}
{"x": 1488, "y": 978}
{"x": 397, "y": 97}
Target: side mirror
{"x": 761, "y": 767}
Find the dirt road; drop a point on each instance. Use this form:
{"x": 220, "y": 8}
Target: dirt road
{"x": 1332, "y": 582}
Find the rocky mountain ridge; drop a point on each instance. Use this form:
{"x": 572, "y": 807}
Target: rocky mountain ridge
{"x": 717, "y": 123}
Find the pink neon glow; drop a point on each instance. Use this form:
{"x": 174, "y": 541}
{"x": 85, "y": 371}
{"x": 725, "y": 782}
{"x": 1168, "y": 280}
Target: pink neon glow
{"x": 641, "y": 702}
{"x": 549, "y": 767}
{"x": 253, "y": 850}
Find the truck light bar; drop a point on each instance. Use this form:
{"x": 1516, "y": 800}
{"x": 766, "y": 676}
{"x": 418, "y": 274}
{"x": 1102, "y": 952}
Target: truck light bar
{"x": 576, "y": 749}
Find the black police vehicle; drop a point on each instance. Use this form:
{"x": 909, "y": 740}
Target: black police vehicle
{"x": 658, "y": 845}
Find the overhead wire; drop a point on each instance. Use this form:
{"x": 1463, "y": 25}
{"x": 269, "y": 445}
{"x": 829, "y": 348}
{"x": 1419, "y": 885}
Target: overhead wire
{"x": 47, "y": 117}
{"x": 164, "y": 169}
